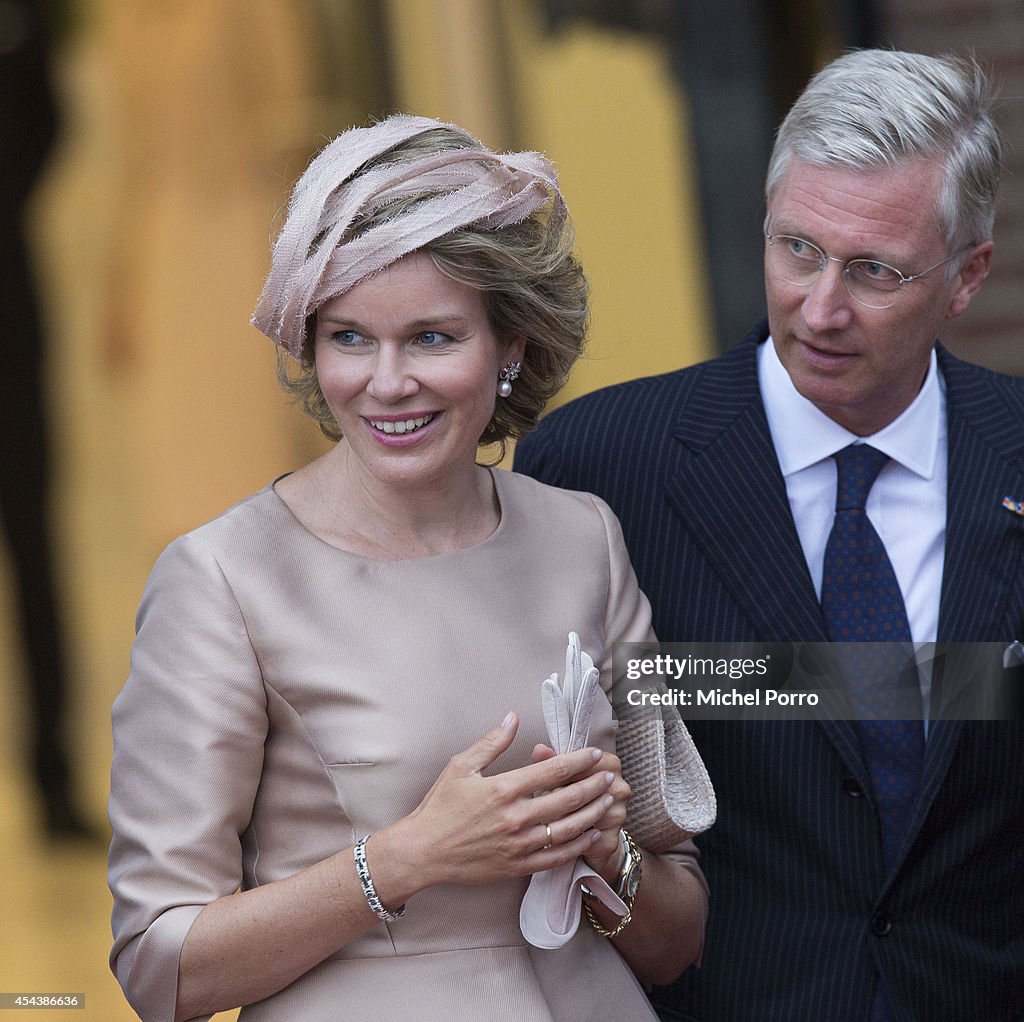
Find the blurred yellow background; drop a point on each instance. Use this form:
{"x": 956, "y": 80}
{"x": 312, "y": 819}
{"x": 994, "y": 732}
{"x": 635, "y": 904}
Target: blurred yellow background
{"x": 183, "y": 124}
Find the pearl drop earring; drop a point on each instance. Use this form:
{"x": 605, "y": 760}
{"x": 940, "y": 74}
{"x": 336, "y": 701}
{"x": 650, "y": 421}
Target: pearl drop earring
{"x": 509, "y": 372}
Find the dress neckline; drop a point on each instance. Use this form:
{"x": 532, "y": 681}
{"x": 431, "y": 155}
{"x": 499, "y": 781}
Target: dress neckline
{"x": 497, "y": 481}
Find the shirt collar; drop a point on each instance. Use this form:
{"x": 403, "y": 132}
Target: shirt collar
{"x": 803, "y": 435}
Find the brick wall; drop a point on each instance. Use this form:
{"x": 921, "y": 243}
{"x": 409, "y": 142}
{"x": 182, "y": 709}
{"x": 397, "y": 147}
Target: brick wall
{"x": 991, "y": 332}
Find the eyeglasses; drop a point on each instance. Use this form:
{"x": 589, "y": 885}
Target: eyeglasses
{"x": 874, "y": 284}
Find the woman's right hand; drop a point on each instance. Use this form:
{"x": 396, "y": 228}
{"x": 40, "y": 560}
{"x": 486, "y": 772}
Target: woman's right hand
{"x": 471, "y": 829}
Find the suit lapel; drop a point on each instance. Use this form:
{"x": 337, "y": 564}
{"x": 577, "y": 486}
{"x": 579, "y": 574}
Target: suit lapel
{"x": 730, "y": 494}
{"x": 984, "y": 542}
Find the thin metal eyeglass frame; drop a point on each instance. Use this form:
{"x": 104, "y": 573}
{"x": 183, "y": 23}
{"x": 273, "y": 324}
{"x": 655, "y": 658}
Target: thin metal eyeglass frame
{"x": 825, "y": 259}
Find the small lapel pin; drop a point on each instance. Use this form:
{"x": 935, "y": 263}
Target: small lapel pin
{"x": 1016, "y": 506}
{"x": 1013, "y": 655}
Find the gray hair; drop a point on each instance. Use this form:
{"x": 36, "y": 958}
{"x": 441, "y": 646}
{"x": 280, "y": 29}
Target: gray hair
{"x": 870, "y": 109}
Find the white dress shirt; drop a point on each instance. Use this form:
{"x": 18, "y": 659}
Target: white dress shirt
{"x": 907, "y": 503}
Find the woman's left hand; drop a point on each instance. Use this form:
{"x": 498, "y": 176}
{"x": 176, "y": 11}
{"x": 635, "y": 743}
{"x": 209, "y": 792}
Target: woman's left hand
{"x": 666, "y": 932}
{"x": 606, "y": 854}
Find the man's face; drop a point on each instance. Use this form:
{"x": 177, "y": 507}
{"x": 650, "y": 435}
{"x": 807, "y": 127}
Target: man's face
{"x": 862, "y": 366}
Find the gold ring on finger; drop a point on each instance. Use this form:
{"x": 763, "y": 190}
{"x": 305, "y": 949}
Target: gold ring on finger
{"x": 547, "y": 830}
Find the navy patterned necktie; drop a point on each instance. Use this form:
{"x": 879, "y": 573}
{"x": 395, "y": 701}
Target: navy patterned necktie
{"x": 861, "y": 602}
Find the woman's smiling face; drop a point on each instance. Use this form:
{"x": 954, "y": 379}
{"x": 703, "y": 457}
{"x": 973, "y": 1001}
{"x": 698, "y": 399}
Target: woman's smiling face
{"x": 408, "y": 363}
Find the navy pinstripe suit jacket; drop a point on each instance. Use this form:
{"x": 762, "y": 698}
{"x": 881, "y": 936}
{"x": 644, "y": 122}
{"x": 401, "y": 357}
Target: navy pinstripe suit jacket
{"x": 804, "y": 915}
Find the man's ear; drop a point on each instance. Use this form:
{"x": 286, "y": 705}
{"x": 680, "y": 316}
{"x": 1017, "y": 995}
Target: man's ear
{"x": 972, "y": 276}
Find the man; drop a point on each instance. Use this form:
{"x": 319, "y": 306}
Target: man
{"x": 836, "y": 898}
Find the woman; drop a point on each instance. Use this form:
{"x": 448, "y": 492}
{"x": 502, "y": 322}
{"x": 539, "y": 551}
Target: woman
{"x": 306, "y": 746}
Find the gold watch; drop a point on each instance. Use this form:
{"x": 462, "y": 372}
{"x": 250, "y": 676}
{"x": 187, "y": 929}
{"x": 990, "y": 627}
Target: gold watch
{"x": 632, "y": 870}
{"x": 626, "y": 888}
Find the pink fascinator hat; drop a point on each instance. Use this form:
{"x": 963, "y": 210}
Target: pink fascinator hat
{"x": 316, "y": 257}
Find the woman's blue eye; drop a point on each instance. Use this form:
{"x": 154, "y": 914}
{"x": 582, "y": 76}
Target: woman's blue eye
{"x": 432, "y": 339}
{"x": 346, "y": 338}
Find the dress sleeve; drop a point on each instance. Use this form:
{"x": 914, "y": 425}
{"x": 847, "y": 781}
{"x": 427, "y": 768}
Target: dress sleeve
{"x": 628, "y": 619}
{"x": 189, "y": 728}
{"x": 628, "y": 614}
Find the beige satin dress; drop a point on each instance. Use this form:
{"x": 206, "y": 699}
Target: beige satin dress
{"x": 288, "y": 697}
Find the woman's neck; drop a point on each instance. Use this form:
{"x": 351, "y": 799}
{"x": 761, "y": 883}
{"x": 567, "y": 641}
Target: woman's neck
{"x": 349, "y": 508}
